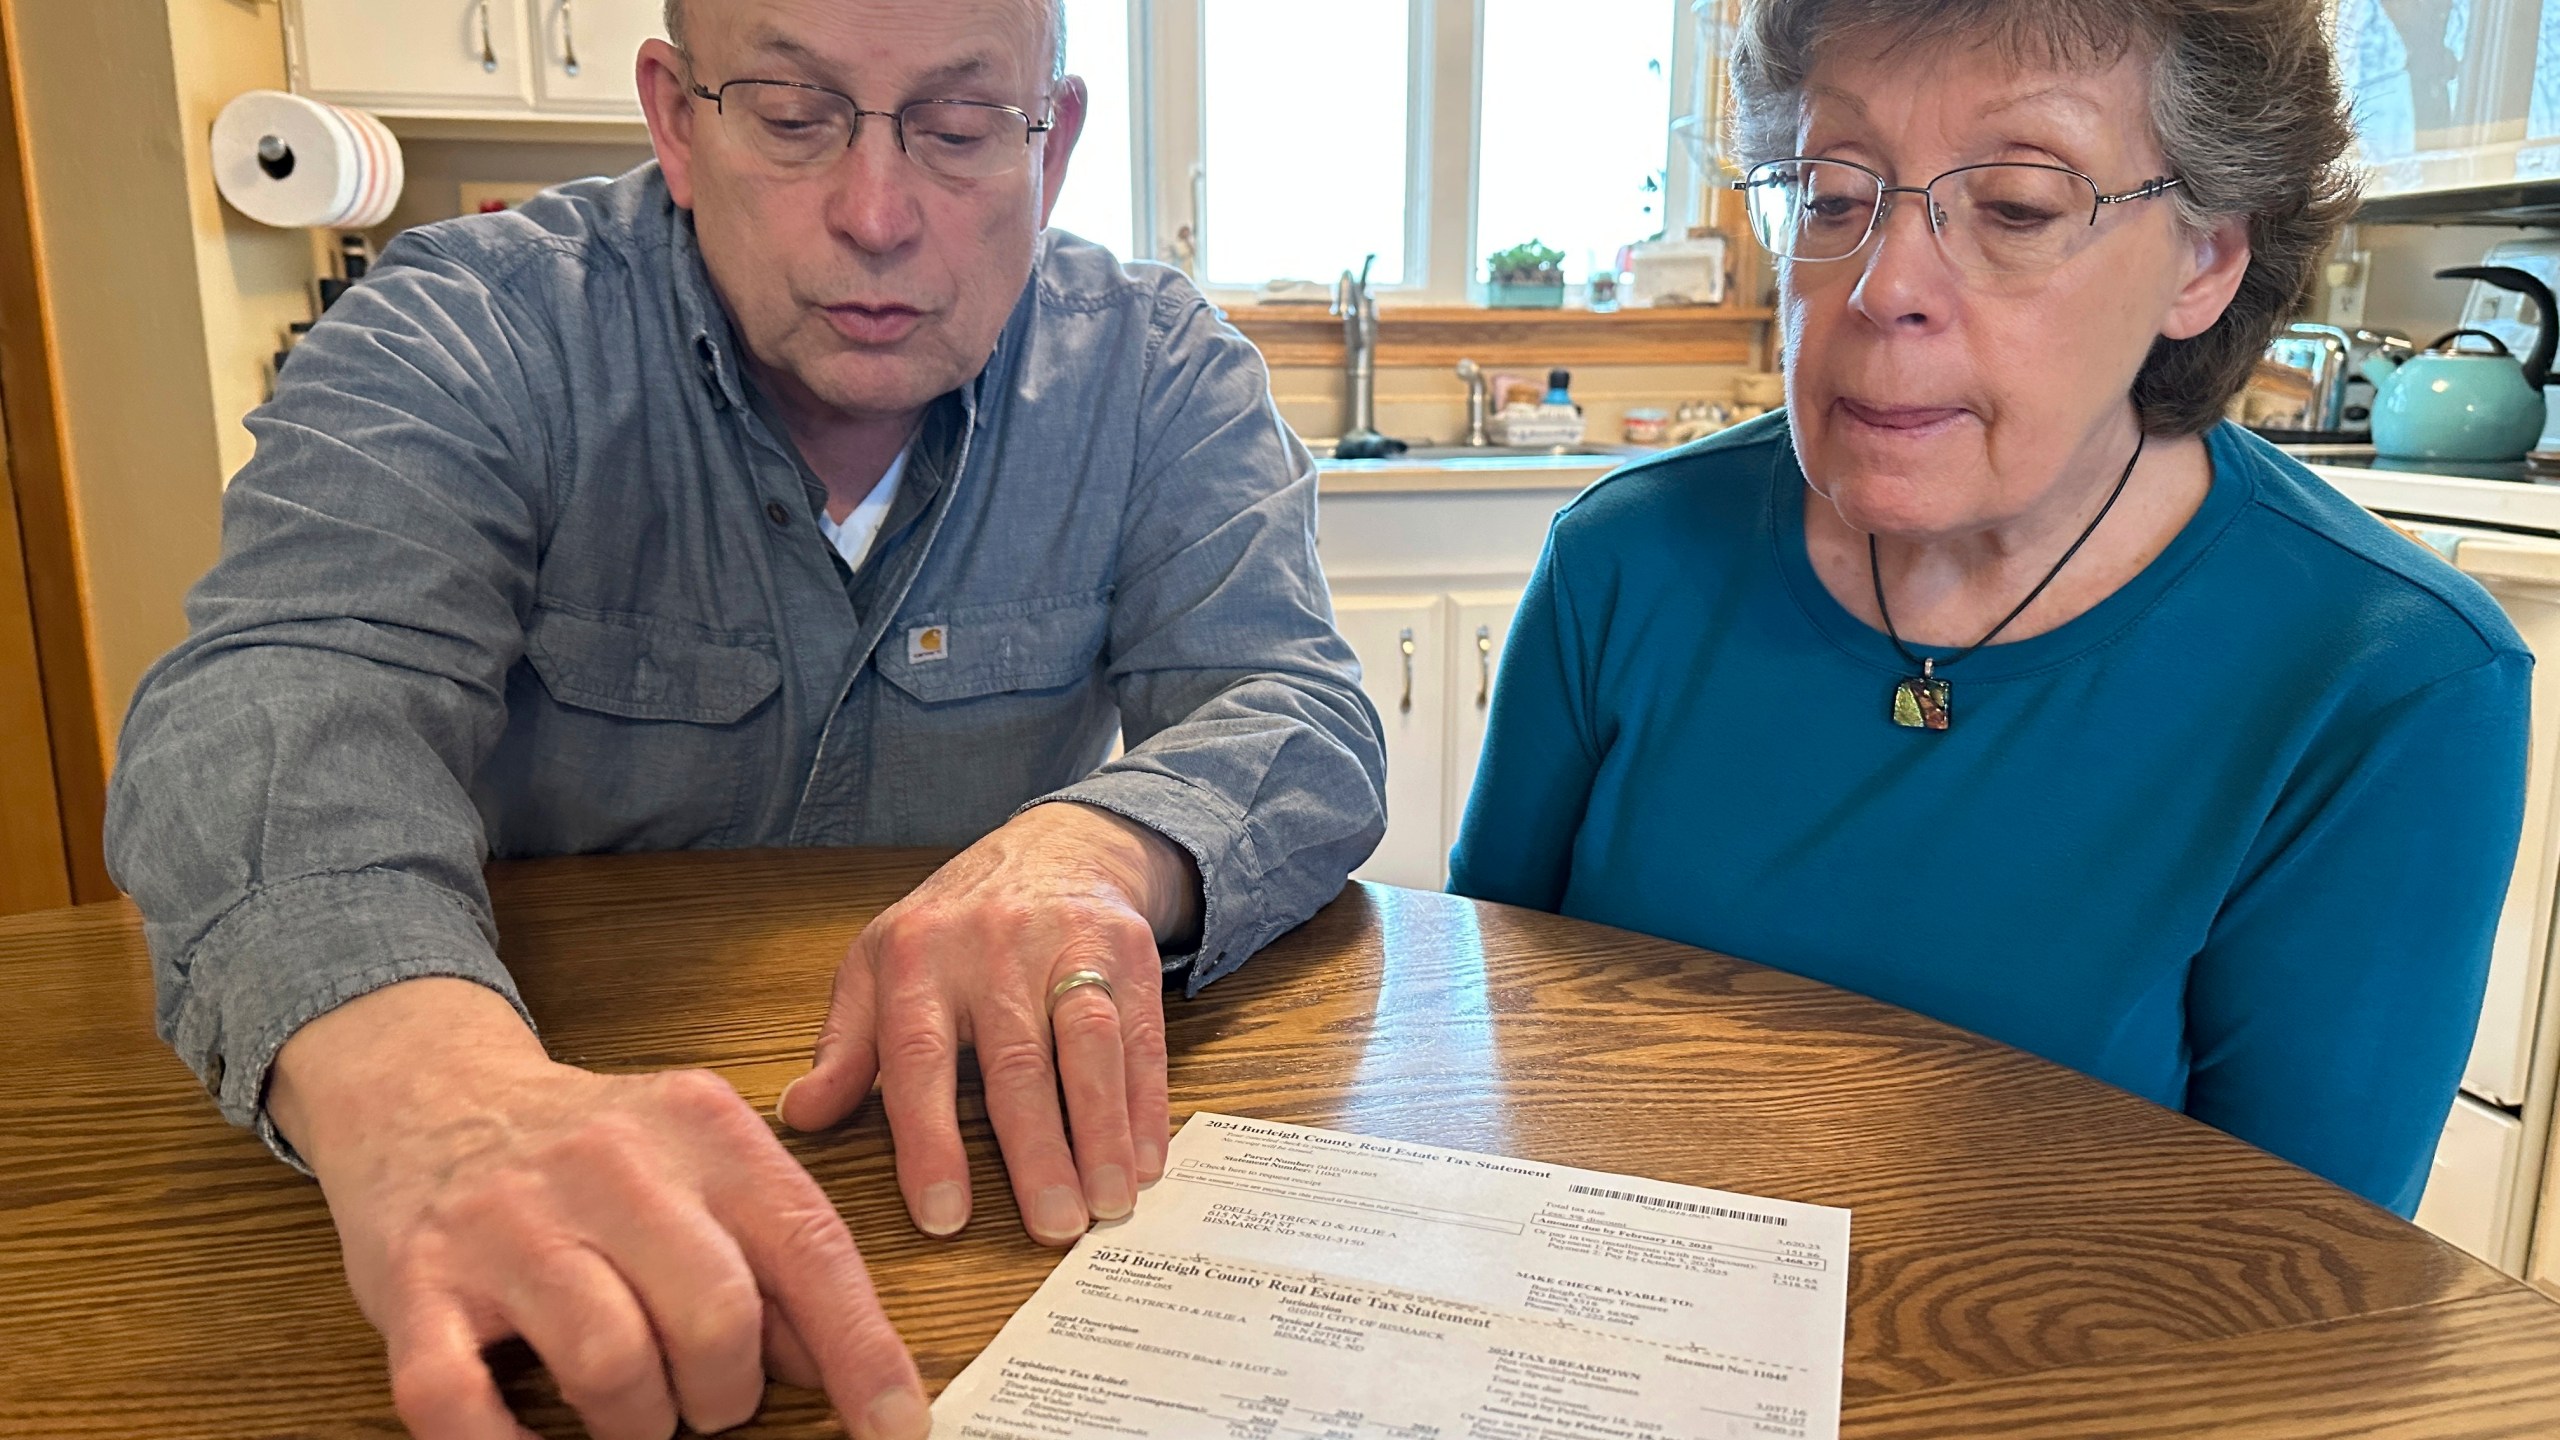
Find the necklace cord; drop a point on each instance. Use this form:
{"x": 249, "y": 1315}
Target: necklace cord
{"x": 1875, "y": 572}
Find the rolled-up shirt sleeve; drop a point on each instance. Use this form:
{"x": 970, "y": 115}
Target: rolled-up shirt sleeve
{"x": 1249, "y": 741}
{"x": 290, "y": 806}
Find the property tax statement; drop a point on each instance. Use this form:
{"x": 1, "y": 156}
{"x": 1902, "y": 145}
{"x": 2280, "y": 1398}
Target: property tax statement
{"x": 1301, "y": 1284}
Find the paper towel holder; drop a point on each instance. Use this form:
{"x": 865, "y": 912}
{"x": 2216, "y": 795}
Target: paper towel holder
{"x": 293, "y": 162}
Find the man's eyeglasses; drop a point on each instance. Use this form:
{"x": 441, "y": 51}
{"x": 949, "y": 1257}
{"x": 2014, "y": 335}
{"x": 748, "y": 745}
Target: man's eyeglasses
{"x": 796, "y": 126}
{"x": 2007, "y": 218}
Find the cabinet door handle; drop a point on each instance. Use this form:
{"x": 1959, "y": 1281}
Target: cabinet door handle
{"x": 1484, "y": 667}
{"x": 488, "y": 43}
{"x": 1404, "y": 642}
{"x": 569, "y": 38}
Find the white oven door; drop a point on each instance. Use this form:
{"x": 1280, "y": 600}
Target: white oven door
{"x": 2523, "y": 572}
{"x": 2472, "y": 1197}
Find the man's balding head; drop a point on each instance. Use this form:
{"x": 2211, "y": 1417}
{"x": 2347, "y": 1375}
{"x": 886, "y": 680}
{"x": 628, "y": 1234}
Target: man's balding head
{"x": 864, "y": 285}
{"x": 1057, "y": 29}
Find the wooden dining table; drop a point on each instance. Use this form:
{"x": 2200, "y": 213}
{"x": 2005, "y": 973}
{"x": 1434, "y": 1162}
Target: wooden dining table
{"x": 2034, "y": 1254}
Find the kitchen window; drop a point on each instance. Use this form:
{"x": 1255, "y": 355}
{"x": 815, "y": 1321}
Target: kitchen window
{"x": 1099, "y": 202}
{"x": 1251, "y": 142}
{"x": 1573, "y": 127}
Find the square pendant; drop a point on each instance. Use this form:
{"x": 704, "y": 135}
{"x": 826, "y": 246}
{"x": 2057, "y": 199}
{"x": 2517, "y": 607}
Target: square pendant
{"x": 1923, "y": 704}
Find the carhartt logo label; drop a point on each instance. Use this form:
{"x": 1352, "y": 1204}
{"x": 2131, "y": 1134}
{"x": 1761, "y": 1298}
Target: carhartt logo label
{"x": 928, "y": 643}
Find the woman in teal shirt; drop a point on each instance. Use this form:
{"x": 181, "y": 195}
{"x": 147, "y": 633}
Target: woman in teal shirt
{"x": 1996, "y": 677}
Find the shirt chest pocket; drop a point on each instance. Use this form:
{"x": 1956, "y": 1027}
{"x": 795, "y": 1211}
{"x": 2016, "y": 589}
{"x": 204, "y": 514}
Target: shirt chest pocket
{"x": 632, "y": 732}
{"x": 968, "y": 653}
{"x": 637, "y": 667}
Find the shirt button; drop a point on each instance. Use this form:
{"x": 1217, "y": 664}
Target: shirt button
{"x": 774, "y": 512}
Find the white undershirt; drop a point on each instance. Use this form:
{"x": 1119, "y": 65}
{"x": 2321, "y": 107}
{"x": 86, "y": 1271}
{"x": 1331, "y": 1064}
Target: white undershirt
{"x": 853, "y": 538}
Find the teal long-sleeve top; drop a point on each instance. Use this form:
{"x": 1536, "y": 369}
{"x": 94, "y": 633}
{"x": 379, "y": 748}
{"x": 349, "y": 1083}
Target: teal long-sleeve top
{"x": 2234, "y": 840}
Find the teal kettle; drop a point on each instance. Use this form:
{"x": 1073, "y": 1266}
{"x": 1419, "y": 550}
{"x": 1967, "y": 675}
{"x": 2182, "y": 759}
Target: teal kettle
{"x": 2449, "y": 404}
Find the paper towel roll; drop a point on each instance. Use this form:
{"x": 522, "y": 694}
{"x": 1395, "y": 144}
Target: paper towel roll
{"x": 294, "y": 162}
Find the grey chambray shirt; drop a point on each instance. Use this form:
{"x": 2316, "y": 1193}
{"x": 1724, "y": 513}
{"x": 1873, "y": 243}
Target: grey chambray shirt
{"x": 519, "y": 570}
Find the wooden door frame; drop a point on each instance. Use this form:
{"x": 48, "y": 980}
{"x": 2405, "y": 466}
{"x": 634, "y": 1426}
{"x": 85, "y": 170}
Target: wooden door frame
{"x": 30, "y": 388}
{"x": 35, "y": 872}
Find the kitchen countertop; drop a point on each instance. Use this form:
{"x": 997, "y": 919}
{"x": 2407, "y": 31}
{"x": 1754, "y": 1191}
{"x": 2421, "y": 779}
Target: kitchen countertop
{"x": 2364, "y": 457}
{"x": 1401, "y": 475}
{"x": 2506, "y": 496}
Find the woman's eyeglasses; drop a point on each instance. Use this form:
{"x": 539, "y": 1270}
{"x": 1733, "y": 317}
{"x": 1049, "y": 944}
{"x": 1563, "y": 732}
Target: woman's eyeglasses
{"x": 2006, "y": 218}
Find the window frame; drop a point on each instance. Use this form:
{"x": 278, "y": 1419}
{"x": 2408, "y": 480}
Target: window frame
{"x": 1444, "y": 163}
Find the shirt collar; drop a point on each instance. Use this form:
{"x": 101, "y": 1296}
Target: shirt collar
{"x": 707, "y": 332}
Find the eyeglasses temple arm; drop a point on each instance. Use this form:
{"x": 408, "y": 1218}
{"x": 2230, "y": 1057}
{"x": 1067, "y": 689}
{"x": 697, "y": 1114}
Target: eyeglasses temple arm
{"x": 2144, "y": 191}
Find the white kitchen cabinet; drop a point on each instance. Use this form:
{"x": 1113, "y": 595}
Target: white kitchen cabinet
{"x": 2471, "y": 1191}
{"x": 1475, "y": 661}
{"x": 2523, "y": 574}
{"x": 472, "y": 59}
{"x": 1428, "y": 662}
{"x": 1401, "y": 537}
{"x": 416, "y": 57}
{"x": 2482, "y": 1194}
{"x": 2514, "y": 1067}
{"x": 1402, "y": 642}
{"x": 586, "y": 56}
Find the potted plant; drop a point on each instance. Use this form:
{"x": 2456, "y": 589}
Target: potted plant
{"x": 1525, "y": 277}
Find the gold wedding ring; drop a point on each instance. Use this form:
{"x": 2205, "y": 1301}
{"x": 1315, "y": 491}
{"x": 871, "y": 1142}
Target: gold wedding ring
{"x": 1074, "y": 979}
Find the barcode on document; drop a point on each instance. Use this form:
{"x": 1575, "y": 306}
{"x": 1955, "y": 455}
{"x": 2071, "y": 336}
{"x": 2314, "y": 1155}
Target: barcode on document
{"x": 1690, "y": 1207}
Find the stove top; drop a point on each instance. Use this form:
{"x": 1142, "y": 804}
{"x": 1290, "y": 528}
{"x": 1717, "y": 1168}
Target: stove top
{"x": 2362, "y": 457}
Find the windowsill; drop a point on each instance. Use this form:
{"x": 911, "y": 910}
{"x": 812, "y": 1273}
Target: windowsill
{"x": 1439, "y": 335}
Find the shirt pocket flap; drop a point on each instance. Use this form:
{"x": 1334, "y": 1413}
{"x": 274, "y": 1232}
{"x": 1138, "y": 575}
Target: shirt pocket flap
{"x": 643, "y": 668}
{"x": 990, "y": 649}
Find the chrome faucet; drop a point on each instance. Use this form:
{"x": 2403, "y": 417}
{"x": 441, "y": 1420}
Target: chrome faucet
{"x": 1359, "y": 311}
{"x": 1477, "y": 386}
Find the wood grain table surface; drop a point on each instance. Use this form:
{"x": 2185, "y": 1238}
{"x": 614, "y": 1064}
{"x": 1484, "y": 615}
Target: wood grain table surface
{"x": 2035, "y": 1254}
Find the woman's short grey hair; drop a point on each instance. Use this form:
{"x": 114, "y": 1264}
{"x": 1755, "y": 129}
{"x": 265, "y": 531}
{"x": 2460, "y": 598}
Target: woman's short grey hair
{"x": 2245, "y": 106}
{"x": 1057, "y": 30}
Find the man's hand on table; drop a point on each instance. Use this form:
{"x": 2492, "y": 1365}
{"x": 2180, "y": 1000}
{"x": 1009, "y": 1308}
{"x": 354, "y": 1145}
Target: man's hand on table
{"x": 647, "y": 1235}
{"x": 970, "y": 960}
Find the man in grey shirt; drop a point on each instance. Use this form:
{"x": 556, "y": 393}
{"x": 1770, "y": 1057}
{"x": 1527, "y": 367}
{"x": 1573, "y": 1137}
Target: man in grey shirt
{"x": 796, "y": 489}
